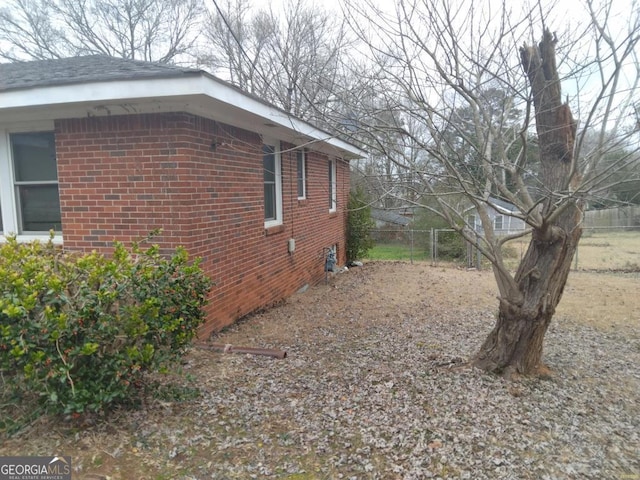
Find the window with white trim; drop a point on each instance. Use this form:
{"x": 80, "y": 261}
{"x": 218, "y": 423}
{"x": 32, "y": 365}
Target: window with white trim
{"x": 498, "y": 222}
{"x": 471, "y": 221}
{"x": 301, "y": 160}
{"x": 333, "y": 187}
{"x": 272, "y": 166}
{"x": 29, "y": 197}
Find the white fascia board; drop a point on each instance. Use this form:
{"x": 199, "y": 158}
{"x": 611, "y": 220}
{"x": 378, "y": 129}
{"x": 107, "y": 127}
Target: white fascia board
{"x": 503, "y": 210}
{"x": 122, "y": 92}
{"x": 112, "y": 92}
{"x": 227, "y": 94}
{"x": 495, "y": 207}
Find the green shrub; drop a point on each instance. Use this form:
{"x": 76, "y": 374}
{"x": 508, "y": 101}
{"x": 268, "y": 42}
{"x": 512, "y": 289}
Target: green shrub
{"x": 80, "y": 331}
{"x": 451, "y": 245}
{"x": 359, "y": 225}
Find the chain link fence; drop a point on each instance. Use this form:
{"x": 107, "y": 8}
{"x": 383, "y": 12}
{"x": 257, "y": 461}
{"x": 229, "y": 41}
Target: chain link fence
{"x": 600, "y": 248}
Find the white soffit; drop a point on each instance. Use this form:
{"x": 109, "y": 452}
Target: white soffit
{"x": 201, "y": 95}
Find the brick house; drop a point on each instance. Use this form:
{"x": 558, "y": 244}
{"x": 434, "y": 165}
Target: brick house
{"x": 99, "y": 149}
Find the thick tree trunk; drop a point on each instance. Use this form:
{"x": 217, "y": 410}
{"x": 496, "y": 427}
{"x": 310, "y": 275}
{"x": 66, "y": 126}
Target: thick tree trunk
{"x": 516, "y": 342}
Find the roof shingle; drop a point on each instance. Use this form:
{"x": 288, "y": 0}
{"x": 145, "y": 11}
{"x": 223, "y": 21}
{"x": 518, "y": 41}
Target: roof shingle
{"x": 93, "y": 68}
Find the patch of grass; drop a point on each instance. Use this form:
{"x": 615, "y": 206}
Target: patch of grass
{"x": 395, "y": 251}
{"x": 597, "y": 250}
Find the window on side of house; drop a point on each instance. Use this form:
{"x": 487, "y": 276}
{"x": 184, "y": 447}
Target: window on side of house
{"x": 333, "y": 194}
{"x": 471, "y": 220}
{"x": 272, "y": 184}
{"x": 35, "y": 182}
{"x": 497, "y": 222}
{"x": 301, "y": 158}
{"x": 6, "y": 210}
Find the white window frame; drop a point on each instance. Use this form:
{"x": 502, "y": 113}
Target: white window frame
{"x": 333, "y": 186}
{"x": 471, "y": 220}
{"x": 301, "y": 170}
{"x": 278, "y": 183}
{"x": 8, "y": 202}
{"x": 495, "y": 222}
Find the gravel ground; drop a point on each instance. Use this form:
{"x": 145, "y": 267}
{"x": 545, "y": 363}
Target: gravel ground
{"x": 368, "y": 392}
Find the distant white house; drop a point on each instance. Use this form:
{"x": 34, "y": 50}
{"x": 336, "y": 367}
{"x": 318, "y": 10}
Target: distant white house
{"x": 502, "y": 216}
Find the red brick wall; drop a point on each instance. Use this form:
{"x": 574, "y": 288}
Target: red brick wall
{"x": 200, "y": 182}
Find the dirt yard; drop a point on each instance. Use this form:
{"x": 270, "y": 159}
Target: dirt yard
{"x": 365, "y": 391}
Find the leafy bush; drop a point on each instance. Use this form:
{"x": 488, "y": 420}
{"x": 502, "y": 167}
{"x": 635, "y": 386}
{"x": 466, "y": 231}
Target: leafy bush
{"x": 359, "y": 225}
{"x": 82, "y": 330}
{"x": 451, "y": 245}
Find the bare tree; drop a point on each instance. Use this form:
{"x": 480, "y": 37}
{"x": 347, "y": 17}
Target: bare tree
{"x": 152, "y": 30}
{"x": 27, "y": 31}
{"x": 496, "y": 126}
{"x": 292, "y": 58}
{"x": 234, "y": 42}
{"x": 306, "y": 58}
